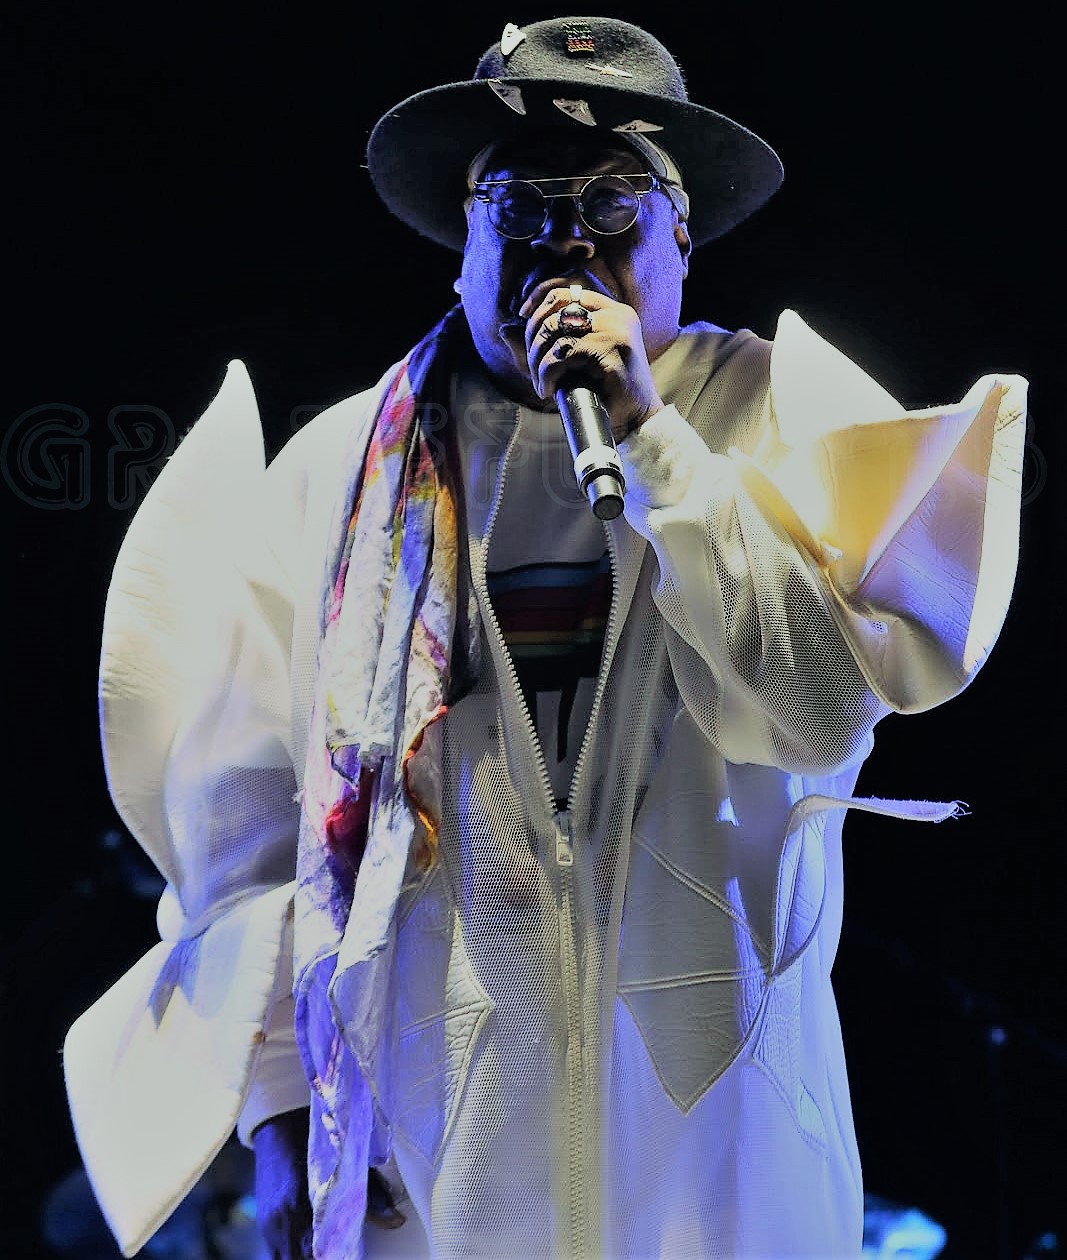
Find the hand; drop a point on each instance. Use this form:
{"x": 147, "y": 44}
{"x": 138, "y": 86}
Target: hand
{"x": 283, "y": 1205}
{"x": 381, "y": 1207}
{"x": 611, "y": 357}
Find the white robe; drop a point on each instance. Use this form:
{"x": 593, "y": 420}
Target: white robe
{"x": 612, "y": 1029}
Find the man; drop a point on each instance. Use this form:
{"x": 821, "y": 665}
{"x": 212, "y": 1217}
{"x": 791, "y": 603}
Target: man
{"x": 502, "y": 829}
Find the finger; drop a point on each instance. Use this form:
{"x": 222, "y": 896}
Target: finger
{"x": 548, "y": 354}
{"x": 541, "y": 328}
{"x": 543, "y": 319}
{"x": 559, "y": 328}
{"x": 381, "y": 1206}
{"x": 568, "y": 358}
{"x": 386, "y": 1218}
{"x": 542, "y": 341}
{"x": 558, "y": 296}
{"x": 538, "y": 305}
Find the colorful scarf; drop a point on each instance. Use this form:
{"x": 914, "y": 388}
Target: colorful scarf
{"x": 398, "y": 646}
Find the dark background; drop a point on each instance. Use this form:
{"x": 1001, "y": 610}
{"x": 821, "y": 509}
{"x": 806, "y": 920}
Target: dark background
{"x": 184, "y": 187}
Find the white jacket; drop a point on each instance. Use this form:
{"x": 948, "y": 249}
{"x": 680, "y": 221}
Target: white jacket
{"x": 611, "y": 1028}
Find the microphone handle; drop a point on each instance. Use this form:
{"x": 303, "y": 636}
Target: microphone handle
{"x": 596, "y": 461}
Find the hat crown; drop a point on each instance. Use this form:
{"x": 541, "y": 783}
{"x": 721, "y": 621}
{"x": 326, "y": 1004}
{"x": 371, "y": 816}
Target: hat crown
{"x": 603, "y": 76}
{"x": 594, "y": 50}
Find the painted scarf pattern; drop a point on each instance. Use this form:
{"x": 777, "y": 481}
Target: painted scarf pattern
{"x": 398, "y": 646}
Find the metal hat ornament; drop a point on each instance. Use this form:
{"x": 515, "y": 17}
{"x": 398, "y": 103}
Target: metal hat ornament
{"x": 587, "y": 72}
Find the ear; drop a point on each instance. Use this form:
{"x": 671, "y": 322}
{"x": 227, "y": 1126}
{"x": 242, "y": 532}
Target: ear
{"x": 685, "y": 245}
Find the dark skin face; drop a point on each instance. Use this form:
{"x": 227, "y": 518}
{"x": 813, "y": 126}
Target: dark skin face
{"x": 513, "y": 291}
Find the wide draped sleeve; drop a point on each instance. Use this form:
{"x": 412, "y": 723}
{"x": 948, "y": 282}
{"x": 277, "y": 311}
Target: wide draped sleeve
{"x": 829, "y": 557}
{"x": 208, "y": 658}
{"x": 910, "y": 517}
{"x": 194, "y": 692}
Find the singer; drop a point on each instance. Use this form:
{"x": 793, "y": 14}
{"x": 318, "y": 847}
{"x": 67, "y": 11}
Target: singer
{"x": 502, "y": 825}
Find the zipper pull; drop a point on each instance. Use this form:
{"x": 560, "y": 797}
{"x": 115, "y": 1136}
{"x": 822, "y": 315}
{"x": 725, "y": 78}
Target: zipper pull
{"x": 564, "y": 839}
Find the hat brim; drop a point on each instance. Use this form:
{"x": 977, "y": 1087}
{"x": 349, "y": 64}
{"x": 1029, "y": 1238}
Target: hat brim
{"x": 419, "y": 152}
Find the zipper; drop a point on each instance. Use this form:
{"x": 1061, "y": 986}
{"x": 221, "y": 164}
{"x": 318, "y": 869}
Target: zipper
{"x": 564, "y": 839}
{"x": 602, "y": 678}
{"x": 609, "y": 639}
{"x": 564, "y": 853}
{"x": 482, "y": 586}
{"x": 575, "y": 1047}
{"x": 574, "y": 1050}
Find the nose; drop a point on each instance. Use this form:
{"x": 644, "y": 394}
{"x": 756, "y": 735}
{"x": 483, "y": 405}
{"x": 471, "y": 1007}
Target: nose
{"x": 563, "y": 231}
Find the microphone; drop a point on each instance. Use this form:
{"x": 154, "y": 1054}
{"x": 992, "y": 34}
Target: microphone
{"x": 596, "y": 461}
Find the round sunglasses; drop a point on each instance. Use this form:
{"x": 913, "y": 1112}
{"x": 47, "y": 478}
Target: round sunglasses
{"x": 607, "y": 204}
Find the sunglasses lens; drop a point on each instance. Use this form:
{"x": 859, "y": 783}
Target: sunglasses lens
{"x": 609, "y": 204}
{"x": 516, "y": 209}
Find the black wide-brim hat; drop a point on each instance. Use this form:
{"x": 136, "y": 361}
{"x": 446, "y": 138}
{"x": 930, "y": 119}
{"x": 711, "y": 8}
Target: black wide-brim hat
{"x": 585, "y": 72}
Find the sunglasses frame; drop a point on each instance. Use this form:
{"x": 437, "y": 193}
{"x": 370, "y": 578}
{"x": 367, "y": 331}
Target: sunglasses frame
{"x": 480, "y": 193}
